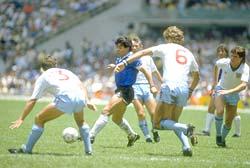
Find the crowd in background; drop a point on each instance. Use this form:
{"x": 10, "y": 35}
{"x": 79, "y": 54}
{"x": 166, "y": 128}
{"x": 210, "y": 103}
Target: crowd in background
{"x": 204, "y": 4}
{"x": 20, "y": 27}
{"x": 23, "y": 23}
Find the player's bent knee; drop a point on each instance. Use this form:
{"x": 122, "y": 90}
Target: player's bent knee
{"x": 79, "y": 122}
{"x": 141, "y": 115}
{"x": 39, "y": 120}
{"x": 85, "y": 126}
{"x": 228, "y": 123}
{"x": 116, "y": 120}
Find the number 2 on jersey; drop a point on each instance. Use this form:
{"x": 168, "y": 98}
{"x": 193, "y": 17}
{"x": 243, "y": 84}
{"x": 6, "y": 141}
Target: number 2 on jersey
{"x": 180, "y": 57}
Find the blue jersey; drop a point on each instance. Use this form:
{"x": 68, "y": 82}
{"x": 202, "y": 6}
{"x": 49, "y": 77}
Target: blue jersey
{"x": 127, "y": 77}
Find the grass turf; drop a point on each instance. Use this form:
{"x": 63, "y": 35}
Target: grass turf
{"x": 110, "y": 149}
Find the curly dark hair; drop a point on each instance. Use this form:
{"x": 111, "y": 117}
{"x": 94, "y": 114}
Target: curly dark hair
{"x": 124, "y": 41}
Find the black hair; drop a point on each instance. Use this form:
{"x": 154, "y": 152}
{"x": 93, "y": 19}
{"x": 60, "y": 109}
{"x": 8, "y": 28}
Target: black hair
{"x": 124, "y": 41}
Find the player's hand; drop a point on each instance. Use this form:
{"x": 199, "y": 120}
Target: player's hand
{"x": 91, "y": 106}
{"x": 16, "y": 124}
{"x": 119, "y": 67}
{"x": 211, "y": 92}
{"x": 110, "y": 66}
{"x": 223, "y": 92}
{"x": 153, "y": 90}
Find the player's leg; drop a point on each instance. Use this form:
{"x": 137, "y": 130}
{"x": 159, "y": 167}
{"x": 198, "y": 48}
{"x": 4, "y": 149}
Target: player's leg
{"x": 178, "y": 99}
{"x": 103, "y": 118}
{"x": 219, "y": 105}
{"x": 126, "y": 95}
{"x": 230, "y": 114}
{"x": 117, "y": 117}
{"x": 84, "y": 131}
{"x": 180, "y": 129}
{"x": 50, "y": 112}
{"x": 209, "y": 117}
{"x": 151, "y": 107}
{"x": 142, "y": 119}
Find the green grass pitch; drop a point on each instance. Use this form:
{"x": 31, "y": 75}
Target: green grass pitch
{"x": 109, "y": 149}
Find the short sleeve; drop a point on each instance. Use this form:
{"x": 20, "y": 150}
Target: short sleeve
{"x": 194, "y": 65}
{"x": 39, "y": 88}
{"x": 157, "y": 51}
{"x": 222, "y": 62}
{"x": 245, "y": 74}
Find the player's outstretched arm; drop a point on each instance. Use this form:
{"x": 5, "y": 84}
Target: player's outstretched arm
{"x": 236, "y": 89}
{"x": 110, "y": 66}
{"x": 119, "y": 67}
{"x": 27, "y": 109}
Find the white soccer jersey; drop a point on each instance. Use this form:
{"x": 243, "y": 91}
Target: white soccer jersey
{"x": 229, "y": 78}
{"x": 57, "y": 82}
{"x": 178, "y": 62}
{"x": 149, "y": 65}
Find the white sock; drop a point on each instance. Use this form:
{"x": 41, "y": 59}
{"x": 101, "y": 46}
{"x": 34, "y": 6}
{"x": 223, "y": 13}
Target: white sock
{"x": 209, "y": 120}
{"x": 124, "y": 125}
{"x": 99, "y": 125}
{"x": 237, "y": 124}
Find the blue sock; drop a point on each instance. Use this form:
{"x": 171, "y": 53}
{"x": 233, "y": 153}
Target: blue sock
{"x": 144, "y": 128}
{"x": 183, "y": 138}
{"x": 225, "y": 131}
{"x": 84, "y": 131}
{"x": 172, "y": 125}
{"x": 35, "y": 134}
{"x": 218, "y": 124}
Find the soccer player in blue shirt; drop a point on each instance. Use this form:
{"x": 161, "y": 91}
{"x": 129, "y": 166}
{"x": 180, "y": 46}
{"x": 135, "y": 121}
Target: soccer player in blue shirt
{"x": 124, "y": 94}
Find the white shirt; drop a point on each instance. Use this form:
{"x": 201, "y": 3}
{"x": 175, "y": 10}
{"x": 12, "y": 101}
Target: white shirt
{"x": 149, "y": 65}
{"x": 57, "y": 82}
{"x": 178, "y": 62}
{"x": 229, "y": 78}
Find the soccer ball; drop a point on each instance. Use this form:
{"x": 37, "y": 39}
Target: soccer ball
{"x": 70, "y": 135}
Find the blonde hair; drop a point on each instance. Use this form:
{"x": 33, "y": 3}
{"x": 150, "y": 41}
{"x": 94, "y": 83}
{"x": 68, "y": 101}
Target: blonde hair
{"x": 224, "y": 48}
{"x": 48, "y": 62}
{"x": 174, "y": 35}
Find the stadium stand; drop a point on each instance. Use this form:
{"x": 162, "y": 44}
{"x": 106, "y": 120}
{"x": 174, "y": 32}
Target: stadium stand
{"x": 201, "y": 20}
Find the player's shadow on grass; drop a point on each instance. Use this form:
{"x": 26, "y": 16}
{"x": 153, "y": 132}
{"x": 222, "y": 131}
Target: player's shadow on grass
{"x": 112, "y": 147}
{"x": 56, "y": 154}
{"x": 164, "y": 155}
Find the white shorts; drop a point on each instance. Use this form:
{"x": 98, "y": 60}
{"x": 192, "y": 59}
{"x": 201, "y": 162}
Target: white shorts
{"x": 231, "y": 99}
{"x": 142, "y": 92}
{"x": 177, "y": 95}
{"x": 69, "y": 104}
